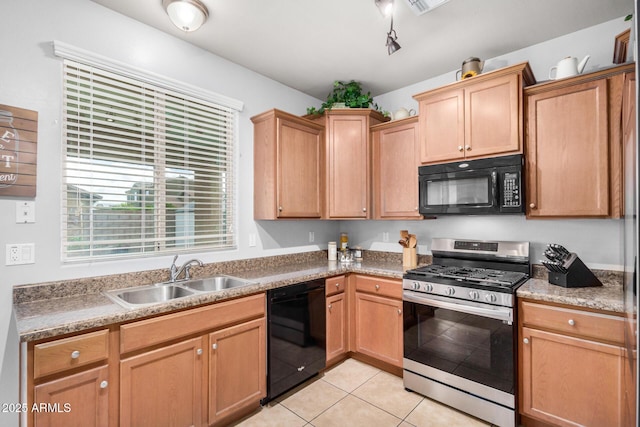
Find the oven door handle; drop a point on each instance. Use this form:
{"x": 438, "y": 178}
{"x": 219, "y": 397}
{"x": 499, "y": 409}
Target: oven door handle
{"x": 504, "y": 314}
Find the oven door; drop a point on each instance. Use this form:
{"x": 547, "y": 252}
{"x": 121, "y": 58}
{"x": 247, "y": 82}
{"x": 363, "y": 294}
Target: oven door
{"x": 467, "y": 346}
{"x": 464, "y": 192}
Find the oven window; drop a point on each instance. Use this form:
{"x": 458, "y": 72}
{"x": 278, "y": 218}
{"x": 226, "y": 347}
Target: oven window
{"x": 466, "y": 191}
{"x": 477, "y": 348}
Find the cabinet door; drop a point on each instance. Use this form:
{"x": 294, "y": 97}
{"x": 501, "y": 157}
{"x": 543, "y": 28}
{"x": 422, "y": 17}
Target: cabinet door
{"x": 237, "y": 368}
{"x": 77, "y": 400}
{"x": 493, "y": 117}
{"x": 379, "y": 327}
{"x": 348, "y": 166}
{"x": 395, "y": 172}
{"x": 568, "y": 152}
{"x": 442, "y": 127}
{"x": 570, "y": 381}
{"x": 298, "y": 168}
{"x": 163, "y": 387}
{"x": 336, "y": 326}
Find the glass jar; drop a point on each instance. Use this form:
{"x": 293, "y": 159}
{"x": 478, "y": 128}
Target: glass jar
{"x": 344, "y": 241}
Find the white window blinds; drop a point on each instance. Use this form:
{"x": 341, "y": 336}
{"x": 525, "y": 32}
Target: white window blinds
{"x": 145, "y": 169}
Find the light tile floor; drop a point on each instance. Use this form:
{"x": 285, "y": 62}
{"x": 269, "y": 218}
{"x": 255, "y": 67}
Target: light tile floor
{"x": 355, "y": 394}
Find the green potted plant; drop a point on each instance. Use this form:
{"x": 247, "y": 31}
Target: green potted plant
{"x": 345, "y": 94}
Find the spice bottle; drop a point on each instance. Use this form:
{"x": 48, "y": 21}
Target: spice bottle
{"x": 344, "y": 241}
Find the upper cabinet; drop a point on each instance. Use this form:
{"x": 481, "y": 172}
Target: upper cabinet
{"x": 477, "y": 117}
{"x": 288, "y": 166}
{"x": 348, "y": 161}
{"x": 395, "y": 169}
{"x": 574, "y": 145}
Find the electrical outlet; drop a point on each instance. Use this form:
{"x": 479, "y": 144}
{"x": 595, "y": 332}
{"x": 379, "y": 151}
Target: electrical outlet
{"x": 252, "y": 239}
{"x": 20, "y": 253}
{"x": 385, "y": 236}
{"x": 312, "y": 237}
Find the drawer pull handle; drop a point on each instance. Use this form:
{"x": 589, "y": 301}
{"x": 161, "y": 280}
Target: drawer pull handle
{"x": 214, "y": 346}
{"x": 75, "y": 354}
{"x": 526, "y": 340}
{"x": 572, "y": 322}
{"x": 377, "y": 287}
{"x": 104, "y": 384}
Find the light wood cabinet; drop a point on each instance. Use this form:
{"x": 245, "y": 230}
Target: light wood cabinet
{"x": 80, "y": 399}
{"x": 571, "y": 365}
{"x": 574, "y": 145}
{"x": 288, "y": 166}
{"x": 396, "y": 157}
{"x": 68, "y": 379}
{"x": 165, "y": 386}
{"x": 348, "y": 161}
{"x": 237, "y": 369}
{"x": 337, "y": 338}
{"x": 477, "y": 117}
{"x": 377, "y": 322}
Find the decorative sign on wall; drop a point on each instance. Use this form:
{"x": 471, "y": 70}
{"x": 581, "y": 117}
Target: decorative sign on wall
{"x": 18, "y": 154}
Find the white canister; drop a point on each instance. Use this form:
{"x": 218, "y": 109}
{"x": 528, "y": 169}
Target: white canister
{"x": 333, "y": 251}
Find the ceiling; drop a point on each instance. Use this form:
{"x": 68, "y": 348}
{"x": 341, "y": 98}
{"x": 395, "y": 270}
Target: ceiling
{"x": 307, "y": 44}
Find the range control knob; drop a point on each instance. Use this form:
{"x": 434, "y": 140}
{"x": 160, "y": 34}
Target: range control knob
{"x": 450, "y": 291}
{"x": 474, "y": 294}
{"x": 490, "y": 298}
{"x": 428, "y": 287}
{"x": 416, "y": 286}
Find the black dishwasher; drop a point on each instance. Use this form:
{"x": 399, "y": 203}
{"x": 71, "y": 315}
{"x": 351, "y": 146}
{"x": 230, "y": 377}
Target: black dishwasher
{"x": 296, "y": 329}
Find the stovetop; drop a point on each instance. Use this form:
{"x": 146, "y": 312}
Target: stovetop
{"x": 485, "y": 276}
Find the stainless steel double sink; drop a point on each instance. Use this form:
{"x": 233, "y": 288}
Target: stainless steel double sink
{"x": 170, "y": 291}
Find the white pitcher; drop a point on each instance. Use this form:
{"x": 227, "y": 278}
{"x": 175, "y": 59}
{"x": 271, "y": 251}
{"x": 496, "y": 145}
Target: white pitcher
{"x": 402, "y": 113}
{"x": 568, "y": 67}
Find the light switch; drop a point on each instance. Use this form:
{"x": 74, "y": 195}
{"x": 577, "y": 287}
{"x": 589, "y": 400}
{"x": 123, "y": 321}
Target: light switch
{"x": 25, "y": 212}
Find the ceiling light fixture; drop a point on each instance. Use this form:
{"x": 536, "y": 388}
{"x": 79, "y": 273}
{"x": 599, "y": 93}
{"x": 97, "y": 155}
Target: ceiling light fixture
{"x": 392, "y": 44}
{"x": 188, "y": 15}
{"x": 385, "y": 6}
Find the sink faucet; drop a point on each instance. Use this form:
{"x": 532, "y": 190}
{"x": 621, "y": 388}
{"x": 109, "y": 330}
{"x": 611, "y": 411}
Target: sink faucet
{"x": 175, "y": 271}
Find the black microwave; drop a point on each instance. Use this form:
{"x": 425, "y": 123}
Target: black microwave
{"x": 475, "y": 187}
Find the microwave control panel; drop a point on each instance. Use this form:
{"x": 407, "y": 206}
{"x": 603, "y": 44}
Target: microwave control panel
{"x": 511, "y": 196}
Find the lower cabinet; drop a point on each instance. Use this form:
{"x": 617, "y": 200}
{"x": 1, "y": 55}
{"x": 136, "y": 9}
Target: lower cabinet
{"x": 76, "y": 400}
{"x": 571, "y": 366}
{"x": 163, "y": 386}
{"x": 378, "y": 319}
{"x": 337, "y": 344}
{"x": 237, "y": 368}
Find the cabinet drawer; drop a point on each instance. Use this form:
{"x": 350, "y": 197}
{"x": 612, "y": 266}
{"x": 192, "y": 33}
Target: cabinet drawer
{"x": 335, "y": 285}
{"x": 60, "y": 355}
{"x": 601, "y": 327}
{"x": 145, "y": 333}
{"x": 379, "y": 286}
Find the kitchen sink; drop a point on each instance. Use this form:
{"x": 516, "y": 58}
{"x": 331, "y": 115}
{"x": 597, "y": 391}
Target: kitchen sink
{"x": 215, "y": 283}
{"x": 171, "y": 291}
{"x": 146, "y": 295}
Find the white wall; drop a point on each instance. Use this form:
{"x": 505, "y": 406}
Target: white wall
{"x": 30, "y": 77}
{"x": 597, "y": 242}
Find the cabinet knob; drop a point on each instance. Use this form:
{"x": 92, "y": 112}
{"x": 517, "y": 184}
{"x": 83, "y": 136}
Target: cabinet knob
{"x": 337, "y": 285}
{"x": 532, "y": 205}
{"x": 377, "y": 287}
{"x": 214, "y": 346}
{"x": 572, "y": 322}
{"x": 399, "y": 311}
{"x": 199, "y": 351}
{"x": 75, "y": 354}
{"x": 468, "y": 148}
{"x": 460, "y": 148}
{"x": 526, "y": 340}
{"x": 364, "y": 209}
{"x": 104, "y": 384}
{"x": 280, "y": 208}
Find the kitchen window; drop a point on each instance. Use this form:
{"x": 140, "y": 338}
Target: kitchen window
{"x": 146, "y": 169}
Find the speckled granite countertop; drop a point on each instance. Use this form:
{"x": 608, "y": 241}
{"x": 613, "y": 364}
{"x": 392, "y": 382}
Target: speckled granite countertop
{"x": 608, "y": 297}
{"x": 50, "y": 309}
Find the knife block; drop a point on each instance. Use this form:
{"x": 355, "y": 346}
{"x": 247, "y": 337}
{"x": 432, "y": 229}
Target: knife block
{"x": 578, "y": 275}
{"x": 409, "y": 257}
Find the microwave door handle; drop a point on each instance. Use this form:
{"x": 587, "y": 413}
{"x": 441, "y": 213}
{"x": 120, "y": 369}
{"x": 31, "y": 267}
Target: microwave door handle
{"x": 494, "y": 188}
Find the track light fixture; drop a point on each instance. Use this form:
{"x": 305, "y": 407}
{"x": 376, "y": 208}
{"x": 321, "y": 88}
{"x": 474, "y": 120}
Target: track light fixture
{"x": 188, "y": 15}
{"x": 392, "y": 44}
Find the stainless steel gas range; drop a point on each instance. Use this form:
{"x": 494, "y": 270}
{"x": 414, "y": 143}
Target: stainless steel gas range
{"x": 460, "y": 327}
